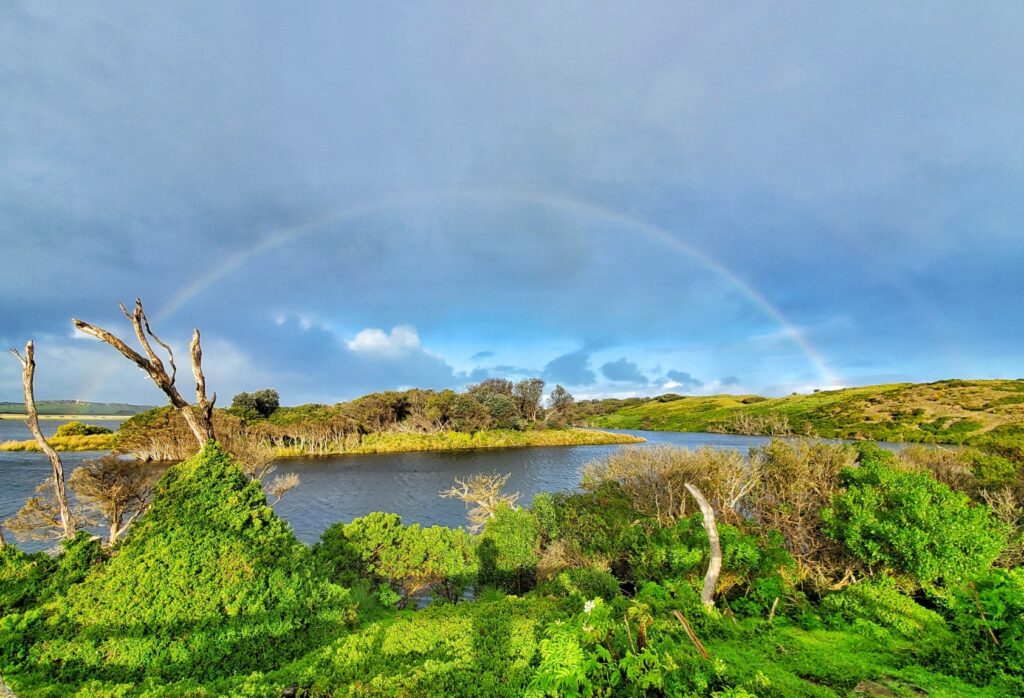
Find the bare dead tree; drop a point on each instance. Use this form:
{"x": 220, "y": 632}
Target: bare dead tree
{"x": 114, "y": 492}
{"x": 707, "y": 596}
{"x": 28, "y": 364}
{"x": 200, "y": 417}
{"x": 280, "y": 485}
{"x": 484, "y": 493}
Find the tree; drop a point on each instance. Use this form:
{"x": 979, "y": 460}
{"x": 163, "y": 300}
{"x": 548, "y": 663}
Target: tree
{"x": 528, "y": 393}
{"x": 28, "y": 363}
{"x": 457, "y": 411}
{"x": 484, "y": 493}
{"x": 198, "y": 418}
{"x": 113, "y": 491}
{"x": 561, "y": 406}
{"x": 258, "y": 405}
{"x": 491, "y": 386}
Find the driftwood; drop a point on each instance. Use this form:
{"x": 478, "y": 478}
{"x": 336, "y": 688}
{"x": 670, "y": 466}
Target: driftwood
{"x": 707, "y": 596}
{"x": 198, "y": 418}
{"x": 28, "y": 364}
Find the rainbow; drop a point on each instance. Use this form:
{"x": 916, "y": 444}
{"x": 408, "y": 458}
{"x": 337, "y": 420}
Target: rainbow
{"x": 562, "y": 203}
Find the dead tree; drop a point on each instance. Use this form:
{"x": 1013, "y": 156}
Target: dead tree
{"x": 484, "y": 493}
{"x": 198, "y": 418}
{"x": 707, "y": 596}
{"x": 28, "y": 365}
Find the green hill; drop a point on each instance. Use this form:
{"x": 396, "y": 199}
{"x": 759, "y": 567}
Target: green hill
{"x": 950, "y": 411}
{"x": 76, "y": 408}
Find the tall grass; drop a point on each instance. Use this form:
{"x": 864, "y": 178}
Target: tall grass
{"x": 398, "y": 442}
{"x": 96, "y": 442}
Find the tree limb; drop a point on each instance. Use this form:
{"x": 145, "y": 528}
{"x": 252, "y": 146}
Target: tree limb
{"x": 715, "y": 565}
{"x": 28, "y": 365}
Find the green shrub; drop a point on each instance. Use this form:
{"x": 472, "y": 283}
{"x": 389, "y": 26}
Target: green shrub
{"x": 28, "y": 579}
{"x": 80, "y": 429}
{"x": 581, "y": 584}
{"x": 210, "y": 583}
{"x": 987, "y": 616}
{"x": 879, "y": 602}
{"x": 408, "y": 559}
{"x": 507, "y": 550}
{"x": 910, "y": 523}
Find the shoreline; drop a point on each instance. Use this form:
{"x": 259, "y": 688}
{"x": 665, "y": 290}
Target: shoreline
{"x": 69, "y": 417}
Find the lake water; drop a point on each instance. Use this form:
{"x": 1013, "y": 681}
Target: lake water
{"x": 340, "y": 488}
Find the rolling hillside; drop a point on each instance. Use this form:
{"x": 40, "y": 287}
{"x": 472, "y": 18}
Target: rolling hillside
{"x": 950, "y": 411}
{"x": 76, "y": 408}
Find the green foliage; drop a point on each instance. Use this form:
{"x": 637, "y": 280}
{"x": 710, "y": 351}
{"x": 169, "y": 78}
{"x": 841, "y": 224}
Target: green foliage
{"x": 910, "y": 523}
{"x": 80, "y": 429}
{"x": 503, "y": 411}
{"x": 458, "y": 411}
{"x": 987, "y": 616}
{"x": 210, "y": 582}
{"x": 878, "y": 603}
{"x": 507, "y": 550}
{"x": 407, "y": 559}
{"x": 29, "y": 579}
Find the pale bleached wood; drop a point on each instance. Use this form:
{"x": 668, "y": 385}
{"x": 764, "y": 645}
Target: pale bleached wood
{"x": 715, "y": 565}
{"x": 200, "y": 420}
{"x": 28, "y": 372}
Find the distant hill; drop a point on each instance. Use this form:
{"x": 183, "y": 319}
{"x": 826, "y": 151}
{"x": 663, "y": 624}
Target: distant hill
{"x": 949, "y": 411}
{"x": 76, "y": 407}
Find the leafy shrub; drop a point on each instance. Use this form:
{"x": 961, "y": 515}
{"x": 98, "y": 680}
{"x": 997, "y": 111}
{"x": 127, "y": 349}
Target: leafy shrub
{"x": 408, "y": 559}
{"x": 30, "y": 579}
{"x": 879, "y": 602}
{"x": 80, "y": 429}
{"x": 987, "y": 616}
{"x": 211, "y": 582}
{"x": 582, "y": 584}
{"x": 508, "y": 550}
{"x": 911, "y": 523}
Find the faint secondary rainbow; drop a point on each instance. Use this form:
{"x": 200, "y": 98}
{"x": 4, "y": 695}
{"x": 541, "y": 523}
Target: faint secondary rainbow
{"x": 564, "y": 203}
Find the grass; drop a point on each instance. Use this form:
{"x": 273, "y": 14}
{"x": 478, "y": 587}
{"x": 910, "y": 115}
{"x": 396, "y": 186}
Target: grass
{"x": 398, "y": 442}
{"x": 97, "y": 442}
{"x": 952, "y": 411}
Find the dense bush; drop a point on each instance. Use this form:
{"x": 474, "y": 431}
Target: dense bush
{"x": 80, "y": 429}
{"x": 409, "y": 559}
{"x": 28, "y": 579}
{"x": 210, "y": 582}
{"x": 910, "y": 523}
{"x": 508, "y": 550}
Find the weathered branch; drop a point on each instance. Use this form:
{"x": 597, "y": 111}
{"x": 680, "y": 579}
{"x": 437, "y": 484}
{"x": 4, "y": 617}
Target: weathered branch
{"x": 28, "y": 365}
{"x": 201, "y": 425}
{"x": 715, "y": 565}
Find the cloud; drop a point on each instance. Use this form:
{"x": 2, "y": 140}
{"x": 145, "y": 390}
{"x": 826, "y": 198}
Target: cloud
{"x": 682, "y": 379}
{"x": 402, "y": 341}
{"x": 623, "y": 371}
{"x": 570, "y": 369}
{"x": 729, "y": 380}
{"x": 481, "y": 355}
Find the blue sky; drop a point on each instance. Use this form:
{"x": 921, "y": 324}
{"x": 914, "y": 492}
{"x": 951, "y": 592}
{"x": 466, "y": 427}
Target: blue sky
{"x": 626, "y": 199}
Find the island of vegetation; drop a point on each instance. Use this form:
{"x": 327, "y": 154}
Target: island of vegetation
{"x": 949, "y": 411}
{"x": 800, "y": 568}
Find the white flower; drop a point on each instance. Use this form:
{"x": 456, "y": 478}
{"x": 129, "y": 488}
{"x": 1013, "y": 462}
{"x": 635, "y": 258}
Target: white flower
{"x": 589, "y": 606}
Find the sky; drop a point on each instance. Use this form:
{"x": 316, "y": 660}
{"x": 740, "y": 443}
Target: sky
{"x": 627, "y": 199}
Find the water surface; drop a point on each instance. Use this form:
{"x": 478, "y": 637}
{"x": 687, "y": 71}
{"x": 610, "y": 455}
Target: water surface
{"x": 340, "y": 488}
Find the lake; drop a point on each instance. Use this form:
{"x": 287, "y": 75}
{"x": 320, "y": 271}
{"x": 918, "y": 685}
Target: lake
{"x": 340, "y": 488}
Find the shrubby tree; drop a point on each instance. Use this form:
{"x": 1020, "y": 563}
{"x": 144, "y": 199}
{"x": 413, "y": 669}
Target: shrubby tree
{"x": 80, "y": 429}
{"x": 113, "y": 492}
{"x": 528, "y": 393}
{"x": 457, "y": 411}
{"x": 561, "y": 405}
{"x": 258, "y": 405}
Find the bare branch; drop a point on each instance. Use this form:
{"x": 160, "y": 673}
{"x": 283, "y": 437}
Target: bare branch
{"x": 715, "y": 564}
{"x": 201, "y": 424}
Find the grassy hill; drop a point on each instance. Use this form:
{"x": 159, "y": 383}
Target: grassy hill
{"x": 76, "y": 408}
{"x": 950, "y": 411}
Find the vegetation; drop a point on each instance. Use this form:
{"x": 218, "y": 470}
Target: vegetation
{"x": 80, "y": 429}
{"x": 67, "y": 408}
{"x": 844, "y": 572}
{"x": 952, "y": 411}
{"x": 96, "y": 442}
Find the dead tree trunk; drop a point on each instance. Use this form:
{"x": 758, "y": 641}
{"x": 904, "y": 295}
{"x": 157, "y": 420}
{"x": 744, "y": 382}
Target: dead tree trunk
{"x": 200, "y": 419}
{"x": 715, "y": 565}
{"x": 28, "y": 365}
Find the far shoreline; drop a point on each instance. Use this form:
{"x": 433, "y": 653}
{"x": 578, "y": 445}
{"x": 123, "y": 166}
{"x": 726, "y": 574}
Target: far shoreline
{"x": 70, "y": 417}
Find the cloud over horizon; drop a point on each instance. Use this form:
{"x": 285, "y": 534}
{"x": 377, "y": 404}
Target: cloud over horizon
{"x": 743, "y": 191}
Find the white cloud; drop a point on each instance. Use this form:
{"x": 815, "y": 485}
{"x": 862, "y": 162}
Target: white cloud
{"x": 402, "y": 340}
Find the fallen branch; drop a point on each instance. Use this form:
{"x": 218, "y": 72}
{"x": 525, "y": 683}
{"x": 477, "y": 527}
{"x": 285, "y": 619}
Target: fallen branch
{"x": 707, "y": 596}
{"x": 692, "y": 635}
